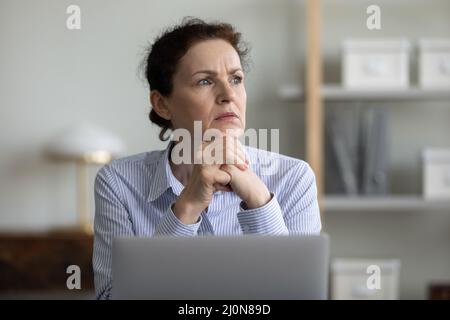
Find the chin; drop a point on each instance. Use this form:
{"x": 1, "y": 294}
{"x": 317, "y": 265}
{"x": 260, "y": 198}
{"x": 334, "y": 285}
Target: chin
{"x": 232, "y": 130}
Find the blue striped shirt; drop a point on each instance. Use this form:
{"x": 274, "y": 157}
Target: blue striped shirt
{"x": 133, "y": 197}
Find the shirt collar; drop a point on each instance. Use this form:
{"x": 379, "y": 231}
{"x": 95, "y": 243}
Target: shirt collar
{"x": 163, "y": 177}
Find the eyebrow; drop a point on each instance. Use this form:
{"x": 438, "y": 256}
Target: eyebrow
{"x": 214, "y": 73}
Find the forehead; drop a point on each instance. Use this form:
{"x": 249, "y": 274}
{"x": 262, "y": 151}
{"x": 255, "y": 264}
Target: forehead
{"x": 210, "y": 55}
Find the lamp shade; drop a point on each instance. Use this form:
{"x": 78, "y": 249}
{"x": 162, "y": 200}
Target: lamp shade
{"x": 86, "y": 142}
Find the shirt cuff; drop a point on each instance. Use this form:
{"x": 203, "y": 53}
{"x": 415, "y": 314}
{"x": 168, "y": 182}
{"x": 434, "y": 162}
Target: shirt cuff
{"x": 170, "y": 225}
{"x": 267, "y": 219}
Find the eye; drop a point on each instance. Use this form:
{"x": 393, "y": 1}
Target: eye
{"x": 204, "y": 82}
{"x": 236, "y": 80}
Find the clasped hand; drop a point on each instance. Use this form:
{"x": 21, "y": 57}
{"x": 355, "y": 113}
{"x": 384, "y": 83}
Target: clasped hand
{"x": 222, "y": 167}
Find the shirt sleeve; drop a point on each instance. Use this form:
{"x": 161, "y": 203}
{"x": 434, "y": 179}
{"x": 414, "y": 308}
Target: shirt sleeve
{"x": 294, "y": 211}
{"x": 267, "y": 219}
{"x": 299, "y": 201}
{"x": 111, "y": 220}
{"x": 170, "y": 225}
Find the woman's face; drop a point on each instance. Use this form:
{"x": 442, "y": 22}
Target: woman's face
{"x": 209, "y": 82}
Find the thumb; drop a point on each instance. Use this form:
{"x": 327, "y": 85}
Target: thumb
{"x": 230, "y": 169}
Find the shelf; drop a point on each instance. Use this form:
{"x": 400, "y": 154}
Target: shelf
{"x": 383, "y": 203}
{"x": 338, "y": 93}
{"x": 335, "y": 92}
{"x": 291, "y": 92}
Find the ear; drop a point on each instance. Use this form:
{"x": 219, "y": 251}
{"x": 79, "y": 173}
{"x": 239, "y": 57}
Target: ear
{"x": 159, "y": 104}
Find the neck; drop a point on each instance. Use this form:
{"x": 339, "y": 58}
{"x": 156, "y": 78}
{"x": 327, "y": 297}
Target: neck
{"x": 181, "y": 171}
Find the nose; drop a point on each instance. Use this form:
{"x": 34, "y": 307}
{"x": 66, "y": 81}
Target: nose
{"x": 225, "y": 93}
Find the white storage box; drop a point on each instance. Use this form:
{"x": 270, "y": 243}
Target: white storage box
{"x": 434, "y": 63}
{"x": 377, "y": 64}
{"x": 436, "y": 173}
{"x": 353, "y": 279}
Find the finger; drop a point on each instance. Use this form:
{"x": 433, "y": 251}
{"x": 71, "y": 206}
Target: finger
{"x": 242, "y": 164}
{"x": 226, "y": 188}
{"x": 222, "y": 177}
{"x": 232, "y": 170}
{"x": 240, "y": 149}
{"x": 244, "y": 154}
{"x": 236, "y": 156}
{"x": 242, "y": 158}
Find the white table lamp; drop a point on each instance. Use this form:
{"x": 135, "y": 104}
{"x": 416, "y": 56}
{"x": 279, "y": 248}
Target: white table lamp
{"x": 85, "y": 144}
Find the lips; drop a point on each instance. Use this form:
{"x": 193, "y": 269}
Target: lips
{"x": 226, "y": 115}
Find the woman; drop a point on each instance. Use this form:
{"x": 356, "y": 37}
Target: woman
{"x": 196, "y": 73}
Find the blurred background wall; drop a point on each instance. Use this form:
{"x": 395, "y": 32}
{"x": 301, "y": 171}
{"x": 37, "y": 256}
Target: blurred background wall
{"x": 52, "y": 77}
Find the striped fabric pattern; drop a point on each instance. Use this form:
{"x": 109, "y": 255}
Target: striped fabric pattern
{"x": 134, "y": 196}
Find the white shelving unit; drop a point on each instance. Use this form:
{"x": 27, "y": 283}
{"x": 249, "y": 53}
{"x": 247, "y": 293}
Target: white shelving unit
{"x": 334, "y": 92}
{"x": 317, "y": 96}
{"x": 397, "y": 203}
{"x": 337, "y": 93}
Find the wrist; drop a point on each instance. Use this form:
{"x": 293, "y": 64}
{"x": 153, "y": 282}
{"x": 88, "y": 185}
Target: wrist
{"x": 185, "y": 211}
{"x": 259, "y": 201}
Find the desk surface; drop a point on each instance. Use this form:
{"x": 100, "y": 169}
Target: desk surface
{"x": 31, "y": 262}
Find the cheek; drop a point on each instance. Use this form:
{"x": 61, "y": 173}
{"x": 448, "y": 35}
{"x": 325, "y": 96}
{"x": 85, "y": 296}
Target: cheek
{"x": 192, "y": 106}
{"x": 243, "y": 99}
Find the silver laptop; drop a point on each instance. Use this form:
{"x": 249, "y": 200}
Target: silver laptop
{"x": 229, "y": 268}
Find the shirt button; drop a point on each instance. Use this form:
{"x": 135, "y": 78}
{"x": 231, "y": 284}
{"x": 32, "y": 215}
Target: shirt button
{"x": 245, "y": 227}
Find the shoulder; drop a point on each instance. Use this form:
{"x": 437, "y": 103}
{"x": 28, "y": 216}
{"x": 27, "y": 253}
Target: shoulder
{"x": 132, "y": 164}
{"x": 273, "y": 163}
{"x": 286, "y": 176}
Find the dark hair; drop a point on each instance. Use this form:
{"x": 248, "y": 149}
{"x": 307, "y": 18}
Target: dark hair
{"x": 167, "y": 50}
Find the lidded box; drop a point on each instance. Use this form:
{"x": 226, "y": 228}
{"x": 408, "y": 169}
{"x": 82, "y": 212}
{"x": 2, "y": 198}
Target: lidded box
{"x": 375, "y": 63}
{"x": 434, "y": 63}
{"x": 436, "y": 173}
